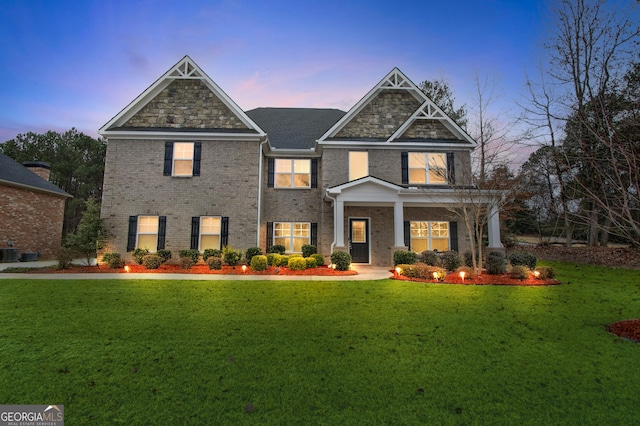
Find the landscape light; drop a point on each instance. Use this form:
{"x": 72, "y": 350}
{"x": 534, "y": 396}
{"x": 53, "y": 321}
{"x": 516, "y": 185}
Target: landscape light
{"x": 536, "y": 274}
{"x": 244, "y": 269}
{"x": 462, "y": 274}
{"x": 398, "y": 270}
{"x": 435, "y": 275}
{"x": 126, "y": 268}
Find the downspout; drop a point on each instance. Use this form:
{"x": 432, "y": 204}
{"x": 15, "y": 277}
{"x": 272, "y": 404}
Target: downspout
{"x": 260, "y": 190}
{"x": 335, "y": 206}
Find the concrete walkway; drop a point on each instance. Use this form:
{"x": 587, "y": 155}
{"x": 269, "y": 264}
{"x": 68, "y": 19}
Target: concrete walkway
{"x": 365, "y": 273}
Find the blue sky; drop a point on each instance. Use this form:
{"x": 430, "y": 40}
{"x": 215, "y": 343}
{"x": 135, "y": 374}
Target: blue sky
{"x": 78, "y": 63}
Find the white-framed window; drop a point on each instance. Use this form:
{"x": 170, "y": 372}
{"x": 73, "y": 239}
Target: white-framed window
{"x": 429, "y": 236}
{"x": 210, "y": 230}
{"x": 292, "y": 173}
{"x": 358, "y": 164}
{"x": 292, "y": 235}
{"x": 147, "y": 237}
{"x": 427, "y": 168}
{"x": 183, "y": 159}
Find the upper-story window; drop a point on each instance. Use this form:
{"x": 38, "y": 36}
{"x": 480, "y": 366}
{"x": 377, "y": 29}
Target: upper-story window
{"x": 427, "y": 168}
{"x": 358, "y": 164}
{"x": 182, "y": 158}
{"x": 292, "y": 173}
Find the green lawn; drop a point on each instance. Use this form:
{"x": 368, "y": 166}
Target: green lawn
{"x": 381, "y": 352}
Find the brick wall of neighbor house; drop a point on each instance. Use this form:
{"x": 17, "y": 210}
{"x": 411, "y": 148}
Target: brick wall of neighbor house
{"x": 134, "y": 185}
{"x": 186, "y": 104}
{"x": 32, "y": 220}
{"x": 382, "y": 116}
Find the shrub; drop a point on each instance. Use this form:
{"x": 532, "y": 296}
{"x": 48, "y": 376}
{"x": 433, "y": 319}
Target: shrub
{"x": 341, "y": 259}
{"x": 450, "y": 260}
{"x": 308, "y": 250}
{"x": 319, "y": 259}
{"x": 468, "y": 259}
{"x": 211, "y": 253}
{"x": 270, "y": 259}
{"x": 113, "y": 260}
{"x": 496, "y": 263}
{"x": 214, "y": 262}
{"x": 519, "y": 272}
{"x": 546, "y": 272}
{"x": 252, "y": 251}
{"x": 430, "y": 257}
{"x": 138, "y": 254}
{"x": 422, "y": 270}
{"x": 522, "y": 258}
{"x": 407, "y": 270}
{"x": 441, "y": 274}
{"x": 186, "y": 262}
{"x": 311, "y": 262}
{"x": 152, "y": 261}
{"x": 469, "y": 273}
{"x": 65, "y": 257}
{"x": 281, "y": 260}
{"x": 297, "y": 263}
{"x": 165, "y": 255}
{"x": 280, "y": 249}
{"x": 258, "y": 262}
{"x": 405, "y": 257}
{"x": 192, "y": 254}
{"x": 231, "y": 257}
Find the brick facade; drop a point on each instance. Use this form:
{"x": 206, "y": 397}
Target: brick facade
{"x": 32, "y": 220}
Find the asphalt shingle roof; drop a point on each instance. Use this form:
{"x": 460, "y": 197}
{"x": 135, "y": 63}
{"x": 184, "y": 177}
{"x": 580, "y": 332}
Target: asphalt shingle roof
{"x": 295, "y": 128}
{"x": 12, "y": 171}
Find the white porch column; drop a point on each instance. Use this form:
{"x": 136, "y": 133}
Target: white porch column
{"x": 493, "y": 226}
{"x": 338, "y": 223}
{"x": 398, "y": 224}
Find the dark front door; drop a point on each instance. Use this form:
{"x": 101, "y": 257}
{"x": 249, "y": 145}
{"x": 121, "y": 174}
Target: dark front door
{"x": 359, "y": 240}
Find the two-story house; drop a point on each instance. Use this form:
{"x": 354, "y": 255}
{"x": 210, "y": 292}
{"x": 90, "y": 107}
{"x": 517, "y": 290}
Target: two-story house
{"x": 187, "y": 168}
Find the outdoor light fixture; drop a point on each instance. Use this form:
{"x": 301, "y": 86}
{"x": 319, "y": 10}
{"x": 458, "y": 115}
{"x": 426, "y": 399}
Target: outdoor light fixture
{"x": 398, "y": 270}
{"x": 462, "y": 274}
{"x": 435, "y": 275}
{"x": 536, "y": 274}
{"x": 244, "y": 269}
{"x": 126, "y": 268}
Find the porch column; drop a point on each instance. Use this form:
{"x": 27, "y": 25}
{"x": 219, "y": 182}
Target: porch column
{"x": 398, "y": 224}
{"x": 338, "y": 223}
{"x": 493, "y": 226}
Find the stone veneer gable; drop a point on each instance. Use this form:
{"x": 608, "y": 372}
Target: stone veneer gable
{"x": 382, "y": 116}
{"x": 427, "y": 129}
{"x": 186, "y": 104}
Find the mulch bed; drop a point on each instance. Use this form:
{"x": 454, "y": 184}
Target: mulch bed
{"x": 627, "y": 329}
{"x": 484, "y": 279}
{"x": 195, "y": 269}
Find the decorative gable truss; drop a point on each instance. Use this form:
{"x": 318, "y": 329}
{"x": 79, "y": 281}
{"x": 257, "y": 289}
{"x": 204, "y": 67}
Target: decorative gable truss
{"x": 183, "y": 101}
{"x": 396, "y": 111}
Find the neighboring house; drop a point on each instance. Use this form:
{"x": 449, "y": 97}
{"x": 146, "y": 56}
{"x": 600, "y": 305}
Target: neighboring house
{"x": 187, "y": 168}
{"x": 31, "y": 208}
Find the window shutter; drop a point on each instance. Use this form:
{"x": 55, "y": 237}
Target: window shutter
{"x": 314, "y": 234}
{"x": 133, "y": 230}
{"x": 162, "y": 231}
{"x": 404, "y": 158}
{"x": 269, "y": 235}
{"x": 195, "y": 232}
{"x": 453, "y": 236}
{"x": 197, "y": 153}
{"x": 224, "y": 231}
{"x": 451, "y": 171}
{"x": 271, "y": 166}
{"x": 314, "y": 172}
{"x": 168, "y": 158}
{"x": 407, "y": 234}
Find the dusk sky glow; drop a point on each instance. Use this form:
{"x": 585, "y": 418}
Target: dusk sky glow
{"x": 76, "y": 64}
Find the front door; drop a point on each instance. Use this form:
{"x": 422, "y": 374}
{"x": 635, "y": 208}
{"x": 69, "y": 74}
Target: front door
{"x": 359, "y": 240}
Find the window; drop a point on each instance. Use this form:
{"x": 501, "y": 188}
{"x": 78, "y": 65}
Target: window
{"x": 292, "y": 235}
{"x": 183, "y": 159}
{"x": 147, "y": 233}
{"x": 429, "y": 236}
{"x": 292, "y": 173}
{"x": 358, "y": 164}
{"x": 427, "y": 168}
{"x": 210, "y": 227}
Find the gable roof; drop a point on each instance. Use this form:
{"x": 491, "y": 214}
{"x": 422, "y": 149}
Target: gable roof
{"x": 13, "y": 173}
{"x": 236, "y": 125}
{"x": 419, "y": 111}
{"x": 294, "y": 128}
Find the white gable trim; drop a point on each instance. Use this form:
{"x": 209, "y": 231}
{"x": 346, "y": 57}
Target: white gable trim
{"x": 186, "y": 68}
{"x": 428, "y": 110}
